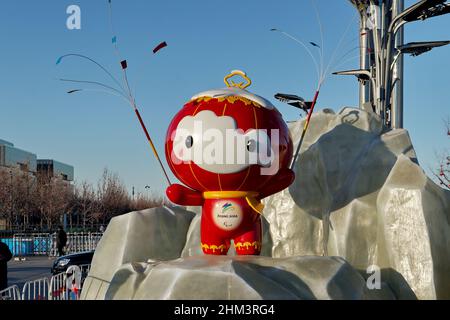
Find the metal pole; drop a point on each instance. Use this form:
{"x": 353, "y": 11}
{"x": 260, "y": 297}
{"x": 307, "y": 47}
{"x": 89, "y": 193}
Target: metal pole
{"x": 378, "y": 56}
{"x": 364, "y": 45}
{"x": 397, "y": 96}
{"x": 391, "y": 37}
{"x": 385, "y": 62}
{"x": 364, "y": 87}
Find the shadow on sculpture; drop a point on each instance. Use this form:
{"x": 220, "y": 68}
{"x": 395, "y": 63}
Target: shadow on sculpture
{"x": 323, "y": 186}
{"x": 293, "y": 287}
{"x": 344, "y": 164}
{"x": 351, "y": 117}
{"x": 395, "y": 282}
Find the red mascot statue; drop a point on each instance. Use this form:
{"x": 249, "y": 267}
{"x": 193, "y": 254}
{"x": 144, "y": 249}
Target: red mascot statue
{"x": 232, "y": 149}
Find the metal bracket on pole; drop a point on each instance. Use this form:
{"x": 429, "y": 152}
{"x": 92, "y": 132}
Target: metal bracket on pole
{"x": 386, "y": 38}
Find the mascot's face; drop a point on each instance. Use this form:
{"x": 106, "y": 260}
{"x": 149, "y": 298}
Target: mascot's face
{"x": 227, "y": 139}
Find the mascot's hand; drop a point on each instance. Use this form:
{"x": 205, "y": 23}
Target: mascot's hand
{"x": 280, "y": 181}
{"x": 184, "y": 196}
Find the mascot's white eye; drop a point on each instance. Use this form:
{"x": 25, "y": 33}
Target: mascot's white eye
{"x": 258, "y": 145}
{"x": 252, "y": 145}
{"x": 189, "y": 142}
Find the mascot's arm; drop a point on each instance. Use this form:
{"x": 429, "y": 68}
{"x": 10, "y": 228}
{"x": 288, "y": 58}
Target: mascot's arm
{"x": 184, "y": 196}
{"x": 280, "y": 181}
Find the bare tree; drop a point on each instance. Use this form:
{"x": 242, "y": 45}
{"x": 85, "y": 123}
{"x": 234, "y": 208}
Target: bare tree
{"x": 85, "y": 201}
{"x": 145, "y": 202}
{"x": 112, "y": 195}
{"x": 52, "y": 198}
{"x": 15, "y": 196}
{"x": 23, "y": 185}
{"x": 443, "y": 173}
{"x": 42, "y": 199}
{"x": 6, "y": 201}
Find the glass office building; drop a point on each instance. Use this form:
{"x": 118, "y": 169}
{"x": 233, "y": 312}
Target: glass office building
{"x": 56, "y": 169}
{"x": 12, "y": 157}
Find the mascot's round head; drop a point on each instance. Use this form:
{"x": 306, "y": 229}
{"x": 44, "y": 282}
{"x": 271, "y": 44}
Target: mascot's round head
{"x": 228, "y": 140}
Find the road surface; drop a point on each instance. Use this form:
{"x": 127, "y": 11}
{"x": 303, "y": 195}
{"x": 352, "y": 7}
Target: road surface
{"x": 32, "y": 268}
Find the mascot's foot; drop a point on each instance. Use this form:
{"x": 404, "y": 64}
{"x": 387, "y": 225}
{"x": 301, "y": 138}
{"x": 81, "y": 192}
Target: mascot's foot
{"x": 248, "y": 248}
{"x": 218, "y": 250}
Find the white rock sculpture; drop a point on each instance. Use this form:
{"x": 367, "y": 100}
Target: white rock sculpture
{"x": 239, "y": 278}
{"x": 359, "y": 194}
{"x": 158, "y": 233}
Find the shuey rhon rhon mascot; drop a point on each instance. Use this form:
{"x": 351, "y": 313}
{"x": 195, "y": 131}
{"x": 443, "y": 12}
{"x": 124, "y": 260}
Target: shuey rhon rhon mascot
{"x": 231, "y": 148}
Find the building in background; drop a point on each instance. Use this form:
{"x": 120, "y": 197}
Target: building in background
{"x": 28, "y": 184}
{"x": 55, "y": 169}
{"x": 12, "y": 157}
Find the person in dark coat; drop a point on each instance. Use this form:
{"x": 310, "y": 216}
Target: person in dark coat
{"x": 5, "y": 256}
{"x": 61, "y": 240}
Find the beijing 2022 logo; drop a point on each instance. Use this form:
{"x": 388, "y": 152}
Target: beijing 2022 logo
{"x": 227, "y": 215}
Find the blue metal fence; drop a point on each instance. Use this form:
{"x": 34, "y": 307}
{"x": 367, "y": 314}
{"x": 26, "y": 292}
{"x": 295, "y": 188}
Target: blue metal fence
{"x": 44, "y": 244}
{"x": 29, "y": 245}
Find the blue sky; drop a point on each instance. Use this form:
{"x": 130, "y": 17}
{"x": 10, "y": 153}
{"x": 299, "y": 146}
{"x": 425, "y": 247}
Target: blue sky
{"x": 206, "y": 40}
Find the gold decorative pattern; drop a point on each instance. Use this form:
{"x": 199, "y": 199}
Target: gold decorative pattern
{"x": 214, "y": 248}
{"x": 228, "y": 194}
{"x": 246, "y": 245}
{"x": 231, "y": 99}
{"x": 240, "y": 85}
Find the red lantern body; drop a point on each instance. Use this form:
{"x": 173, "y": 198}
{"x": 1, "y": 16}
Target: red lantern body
{"x": 228, "y": 179}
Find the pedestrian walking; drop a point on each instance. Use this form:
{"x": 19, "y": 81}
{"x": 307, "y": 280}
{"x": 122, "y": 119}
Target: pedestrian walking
{"x": 5, "y": 256}
{"x": 61, "y": 240}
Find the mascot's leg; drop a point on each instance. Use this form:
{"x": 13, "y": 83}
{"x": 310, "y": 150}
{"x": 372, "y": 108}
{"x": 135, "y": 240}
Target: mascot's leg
{"x": 249, "y": 243}
{"x": 212, "y": 242}
{"x": 215, "y": 246}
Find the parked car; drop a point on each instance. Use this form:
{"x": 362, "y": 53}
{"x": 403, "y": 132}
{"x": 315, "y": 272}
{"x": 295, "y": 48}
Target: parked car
{"x": 76, "y": 259}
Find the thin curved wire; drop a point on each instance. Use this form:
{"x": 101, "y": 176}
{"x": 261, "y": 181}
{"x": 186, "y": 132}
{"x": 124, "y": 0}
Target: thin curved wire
{"x": 305, "y": 47}
{"x": 345, "y": 61}
{"x": 339, "y": 61}
{"x": 319, "y": 20}
{"x": 117, "y": 52}
{"x": 103, "y": 91}
{"x": 96, "y": 63}
{"x": 346, "y": 54}
{"x": 95, "y": 83}
{"x": 132, "y": 100}
{"x": 333, "y": 57}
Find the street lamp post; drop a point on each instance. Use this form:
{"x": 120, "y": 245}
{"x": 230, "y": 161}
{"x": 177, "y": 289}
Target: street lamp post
{"x": 365, "y": 46}
{"x": 393, "y": 100}
{"x": 147, "y": 187}
{"x": 11, "y": 193}
{"x": 385, "y": 35}
{"x": 397, "y": 101}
